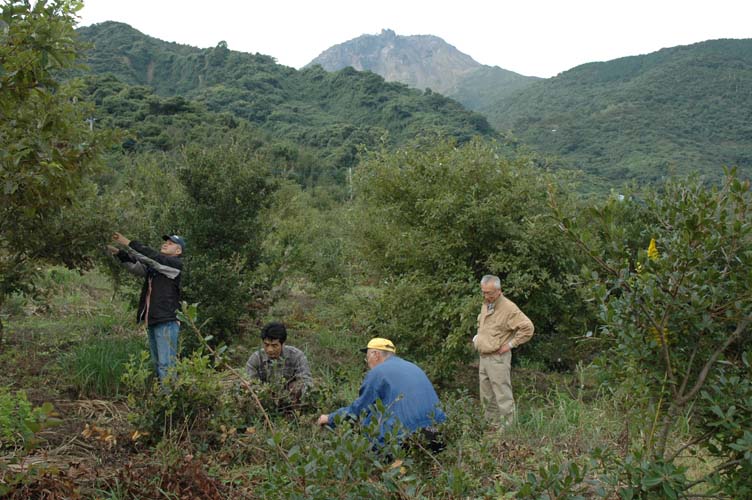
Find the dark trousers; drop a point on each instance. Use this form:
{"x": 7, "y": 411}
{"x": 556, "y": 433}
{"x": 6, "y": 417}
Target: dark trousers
{"x": 429, "y": 438}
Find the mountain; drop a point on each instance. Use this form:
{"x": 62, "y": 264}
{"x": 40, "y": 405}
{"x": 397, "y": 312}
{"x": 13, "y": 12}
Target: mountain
{"x": 424, "y": 61}
{"x": 678, "y": 110}
{"x": 332, "y": 114}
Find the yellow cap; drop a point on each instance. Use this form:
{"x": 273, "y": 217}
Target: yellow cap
{"x": 380, "y": 344}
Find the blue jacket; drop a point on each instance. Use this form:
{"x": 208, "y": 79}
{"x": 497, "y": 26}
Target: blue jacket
{"x": 406, "y": 393}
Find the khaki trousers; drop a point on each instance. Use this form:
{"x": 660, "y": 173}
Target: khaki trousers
{"x": 494, "y": 372}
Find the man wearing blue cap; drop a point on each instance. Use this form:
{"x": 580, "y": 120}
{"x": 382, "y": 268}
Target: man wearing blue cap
{"x": 160, "y": 294}
{"x": 409, "y": 400}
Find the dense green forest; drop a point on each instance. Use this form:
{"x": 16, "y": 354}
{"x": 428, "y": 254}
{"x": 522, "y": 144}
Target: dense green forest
{"x": 488, "y": 85}
{"x": 347, "y": 208}
{"x": 329, "y": 115}
{"x": 679, "y": 110}
{"x": 641, "y": 118}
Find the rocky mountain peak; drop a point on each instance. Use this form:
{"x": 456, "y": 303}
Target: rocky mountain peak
{"x": 420, "y": 61}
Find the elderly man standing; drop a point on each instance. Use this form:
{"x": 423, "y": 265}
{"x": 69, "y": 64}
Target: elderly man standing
{"x": 501, "y": 328}
{"x": 409, "y": 399}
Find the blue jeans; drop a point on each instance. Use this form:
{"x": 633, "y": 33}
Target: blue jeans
{"x": 163, "y": 346}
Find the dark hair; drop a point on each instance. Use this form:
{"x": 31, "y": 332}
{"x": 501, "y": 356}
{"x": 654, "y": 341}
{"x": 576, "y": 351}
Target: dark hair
{"x": 274, "y": 330}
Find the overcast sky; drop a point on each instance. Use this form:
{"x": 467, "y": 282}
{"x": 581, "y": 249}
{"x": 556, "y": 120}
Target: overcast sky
{"x": 531, "y": 37}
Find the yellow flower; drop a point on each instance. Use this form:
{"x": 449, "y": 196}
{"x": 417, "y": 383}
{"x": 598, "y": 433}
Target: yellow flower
{"x": 653, "y": 250}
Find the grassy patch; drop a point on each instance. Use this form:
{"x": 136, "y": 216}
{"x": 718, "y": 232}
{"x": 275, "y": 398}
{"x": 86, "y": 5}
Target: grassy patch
{"x": 70, "y": 332}
{"x": 96, "y": 365}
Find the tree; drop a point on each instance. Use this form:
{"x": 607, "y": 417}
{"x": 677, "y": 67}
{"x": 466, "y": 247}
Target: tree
{"x": 676, "y": 311}
{"x": 48, "y": 149}
{"x": 305, "y": 234}
{"x": 431, "y": 220}
{"x": 225, "y": 188}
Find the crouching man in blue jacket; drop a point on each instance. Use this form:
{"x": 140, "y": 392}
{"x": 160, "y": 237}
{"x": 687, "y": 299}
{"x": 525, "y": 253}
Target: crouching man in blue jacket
{"x": 408, "y": 398}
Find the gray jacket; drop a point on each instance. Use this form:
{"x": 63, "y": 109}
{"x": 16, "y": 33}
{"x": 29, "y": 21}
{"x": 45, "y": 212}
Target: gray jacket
{"x": 291, "y": 368}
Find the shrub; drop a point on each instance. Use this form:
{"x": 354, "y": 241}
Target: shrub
{"x": 673, "y": 290}
{"x": 20, "y": 421}
{"x": 305, "y": 232}
{"x": 432, "y": 220}
{"x": 15, "y": 416}
{"x": 729, "y": 426}
{"x": 49, "y": 153}
{"x": 344, "y": 465}
{"x": 20, "y": 424}
{"x": 555, "y": 481}
{"x": 225, "y": 186}
{"x": 190, "y": 397}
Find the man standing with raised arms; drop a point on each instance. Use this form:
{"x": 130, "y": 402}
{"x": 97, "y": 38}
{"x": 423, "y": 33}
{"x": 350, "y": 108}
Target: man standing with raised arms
{"x": 160, "y": 293}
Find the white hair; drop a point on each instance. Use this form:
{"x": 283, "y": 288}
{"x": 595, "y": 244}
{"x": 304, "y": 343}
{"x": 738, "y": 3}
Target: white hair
{"x": 383, "y": 354}
{"x": 490, "y": 278}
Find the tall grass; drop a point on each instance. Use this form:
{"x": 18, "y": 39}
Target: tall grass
{"x": 564, "y": 424}
{"x": 96, "y": 365}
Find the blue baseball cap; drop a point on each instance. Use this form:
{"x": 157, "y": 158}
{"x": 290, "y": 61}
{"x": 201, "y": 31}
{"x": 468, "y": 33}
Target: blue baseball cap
{"x": 178, "y": 240}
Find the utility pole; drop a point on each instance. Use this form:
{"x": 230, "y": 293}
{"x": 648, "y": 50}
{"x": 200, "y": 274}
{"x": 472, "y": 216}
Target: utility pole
{"x": 349, "y": 182}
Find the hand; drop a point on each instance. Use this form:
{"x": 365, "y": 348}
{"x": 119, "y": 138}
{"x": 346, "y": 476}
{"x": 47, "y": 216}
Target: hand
{"x": 504, "y": 348}
{"x": 119, "y": 238}
{"x": 323, "y": 420}
{"x": 113, "y": 250}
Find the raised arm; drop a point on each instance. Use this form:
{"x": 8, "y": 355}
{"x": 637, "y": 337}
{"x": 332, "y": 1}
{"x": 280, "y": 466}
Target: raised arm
{"x": 128, "y": 262}
{"x": 164, "y": 264}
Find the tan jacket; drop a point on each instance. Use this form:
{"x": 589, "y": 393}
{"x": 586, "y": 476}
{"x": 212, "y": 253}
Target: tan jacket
{"x": 506, "y": 323}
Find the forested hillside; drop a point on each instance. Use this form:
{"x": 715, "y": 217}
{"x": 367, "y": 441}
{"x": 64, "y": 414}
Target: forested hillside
{"x": 677, "y": 110}
{"x": 486, "y": 85}
{"x": 331, "y": 114}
